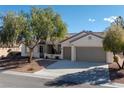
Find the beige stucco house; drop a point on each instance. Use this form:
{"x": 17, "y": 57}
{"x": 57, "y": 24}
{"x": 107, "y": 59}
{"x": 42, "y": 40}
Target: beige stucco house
{"x": 85, "y": 46}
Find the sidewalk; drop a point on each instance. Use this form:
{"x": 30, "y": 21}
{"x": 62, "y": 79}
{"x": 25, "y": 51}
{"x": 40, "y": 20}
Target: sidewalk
{"x": 27, "y": 74}
{"x": 113, "y": 85}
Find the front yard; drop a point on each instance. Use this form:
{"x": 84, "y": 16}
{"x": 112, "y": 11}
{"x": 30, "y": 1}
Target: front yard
{"x": 21, "y": 64}
{"x": 115, "y": 74}
{"x": 36, "y": 65}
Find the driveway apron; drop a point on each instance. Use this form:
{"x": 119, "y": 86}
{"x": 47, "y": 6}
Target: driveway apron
{"x": 77, "y": 72}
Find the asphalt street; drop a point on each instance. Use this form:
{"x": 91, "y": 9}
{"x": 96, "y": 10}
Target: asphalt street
{"x": 15, "y": 81}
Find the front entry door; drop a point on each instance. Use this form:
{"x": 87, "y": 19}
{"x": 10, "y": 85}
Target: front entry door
{"x": 41, "y": 52}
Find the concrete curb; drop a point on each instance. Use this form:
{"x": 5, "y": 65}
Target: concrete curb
{"x": 113, "y": 85}
{"x": 27, "y": 74}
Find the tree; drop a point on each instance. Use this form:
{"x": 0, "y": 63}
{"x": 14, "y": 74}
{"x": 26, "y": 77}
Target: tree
{"x": 32, "y": 28}
{"x": 0, "y": 37}
{"x": 8, "y": 34}
{"x": 119, "y": 21}
{"x": 59, "y": 33}
{"x": 114, "y": 41}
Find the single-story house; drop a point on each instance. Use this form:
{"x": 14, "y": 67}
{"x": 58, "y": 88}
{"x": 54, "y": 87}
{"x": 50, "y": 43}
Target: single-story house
{"x": 85, "y": 46}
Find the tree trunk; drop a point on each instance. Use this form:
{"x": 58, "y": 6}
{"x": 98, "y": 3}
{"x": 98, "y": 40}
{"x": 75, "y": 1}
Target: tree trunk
{"x": 30, "y": 55}
{"x": 123, "y": 65}
{"x": 117, "y": 62}
{"x": 123, "y": 61}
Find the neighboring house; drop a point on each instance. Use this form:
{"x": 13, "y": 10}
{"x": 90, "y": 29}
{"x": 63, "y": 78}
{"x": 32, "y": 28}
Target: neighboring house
{"x": 84, "y": 46}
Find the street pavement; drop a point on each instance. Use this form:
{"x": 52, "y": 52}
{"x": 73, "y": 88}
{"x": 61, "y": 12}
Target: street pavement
{"x": 16, "y": 81}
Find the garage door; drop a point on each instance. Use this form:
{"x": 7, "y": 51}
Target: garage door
{"x": 90, "y": 54}
{"x": 67, "y": 53}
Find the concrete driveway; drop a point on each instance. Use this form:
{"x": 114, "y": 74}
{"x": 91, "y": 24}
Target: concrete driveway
{"x": 78, "y": 72}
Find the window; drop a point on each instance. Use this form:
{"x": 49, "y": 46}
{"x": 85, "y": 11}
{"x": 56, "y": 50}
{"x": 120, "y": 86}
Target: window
{"x": 51, "y": 49}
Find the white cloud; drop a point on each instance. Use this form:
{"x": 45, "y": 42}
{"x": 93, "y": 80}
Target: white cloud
{"x": 110, "y": 19}
{"x": 91, "y": 20}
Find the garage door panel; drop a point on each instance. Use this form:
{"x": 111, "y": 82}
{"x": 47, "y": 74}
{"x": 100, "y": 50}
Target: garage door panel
{"x": 92, "y": 54}
{"x": 67, "y": 53}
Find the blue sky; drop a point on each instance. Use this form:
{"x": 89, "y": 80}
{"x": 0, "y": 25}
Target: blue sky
{"x": 78, "y": 18}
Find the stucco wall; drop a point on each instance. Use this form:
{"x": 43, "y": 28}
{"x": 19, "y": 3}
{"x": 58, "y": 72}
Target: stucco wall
{"x": 86, "y": 42}
{"x": 36, "y": 52}
{"x": 109, "y": 57}
{"x": 53, "y": 56}
{"x": 25, "y": 51}
{"x": 67, "y": 42}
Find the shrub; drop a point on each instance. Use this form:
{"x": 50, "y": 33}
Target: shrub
{"x": 30, "y": 69}
{"x": 116, "y": 59}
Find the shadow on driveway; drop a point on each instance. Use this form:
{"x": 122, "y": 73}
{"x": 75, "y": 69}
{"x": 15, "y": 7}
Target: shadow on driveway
{"x": 45, "y": 62}
{"x": 63, "y": 64}
{"x": 94, "y": 76}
